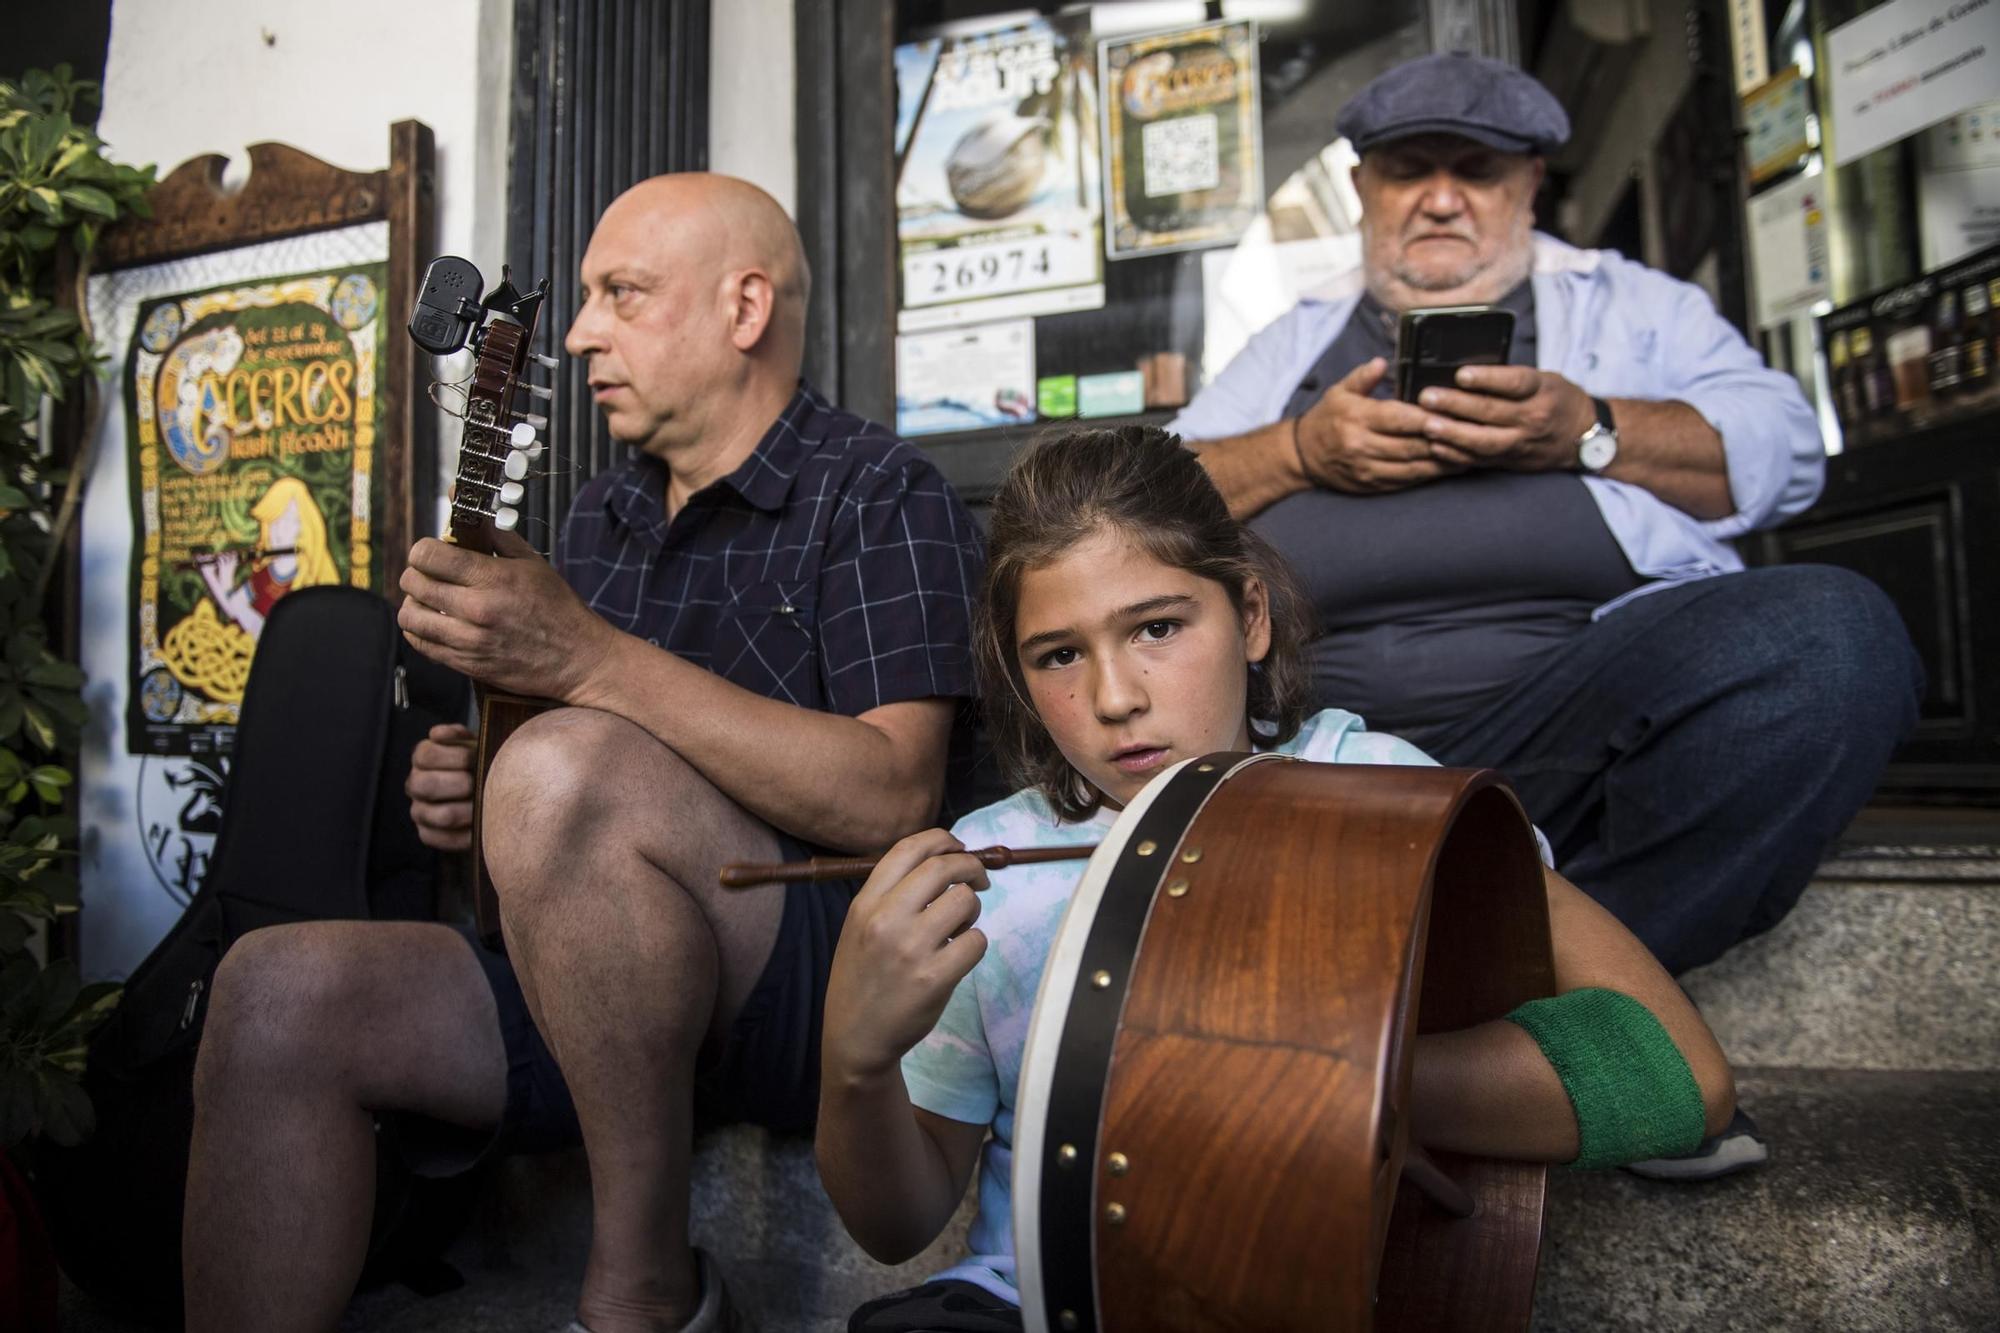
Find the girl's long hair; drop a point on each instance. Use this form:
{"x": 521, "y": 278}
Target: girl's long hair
{"x": 1142, "y": 482}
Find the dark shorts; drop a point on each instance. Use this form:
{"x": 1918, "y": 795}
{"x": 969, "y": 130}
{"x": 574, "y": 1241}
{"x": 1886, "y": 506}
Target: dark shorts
{"x": 766, "y": 1073}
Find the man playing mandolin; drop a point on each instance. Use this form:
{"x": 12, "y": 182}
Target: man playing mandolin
{"x": 757, "y": 633}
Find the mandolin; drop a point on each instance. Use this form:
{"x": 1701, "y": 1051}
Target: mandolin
{"x": 500, "y": 441}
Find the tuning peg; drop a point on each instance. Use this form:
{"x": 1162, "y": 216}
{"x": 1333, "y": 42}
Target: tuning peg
{"x": 505, "y": 519}
{"x": 523, "y": 436}
{"x": 545, "y": 362}
{"x": 516, "y": 466}
{"x": 541, "y": 391}
{"x": 511, "y": 492}
{"x": 533, "y": 451}
{"x": 530, "y": 419}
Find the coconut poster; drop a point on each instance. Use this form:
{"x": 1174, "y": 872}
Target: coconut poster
{"x": 252, "y": 412}
{"x": 998, "y": 211}
{"x": 1183, "y": 143}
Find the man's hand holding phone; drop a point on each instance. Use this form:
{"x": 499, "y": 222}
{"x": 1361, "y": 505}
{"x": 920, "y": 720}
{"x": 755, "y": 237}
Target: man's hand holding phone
{"x": 1513, "y": 417}
{"x": 1348, "y": 441}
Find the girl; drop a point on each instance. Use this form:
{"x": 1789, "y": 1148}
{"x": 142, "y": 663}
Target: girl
{"x": 1128, "y": 623}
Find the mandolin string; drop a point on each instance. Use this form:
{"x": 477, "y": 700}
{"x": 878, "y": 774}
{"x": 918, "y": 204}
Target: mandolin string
{"x": 441, "y": 405}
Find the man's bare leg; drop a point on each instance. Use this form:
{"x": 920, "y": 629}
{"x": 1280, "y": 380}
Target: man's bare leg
{"x": 309, "y": 1027}
{"x": 604, "y": 847}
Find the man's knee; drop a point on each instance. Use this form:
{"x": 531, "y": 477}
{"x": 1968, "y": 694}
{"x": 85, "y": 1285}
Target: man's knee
{"x": 1816, "y": 649}
{"x": 279, "y": 1004}
{"x": 567, "y": 768}
{"x": 577, "y": 779}
{"x": 1849, "y": 655}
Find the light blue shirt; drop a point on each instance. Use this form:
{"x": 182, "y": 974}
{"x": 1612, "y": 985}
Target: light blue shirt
{"x": 968, "y": 1067}
{"x": 1618, "y": 330}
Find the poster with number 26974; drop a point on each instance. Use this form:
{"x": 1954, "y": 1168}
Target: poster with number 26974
{"x": 996, "y": 174}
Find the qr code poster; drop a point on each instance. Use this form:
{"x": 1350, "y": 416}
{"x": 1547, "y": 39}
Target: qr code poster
{"x": 1183, "y": 143}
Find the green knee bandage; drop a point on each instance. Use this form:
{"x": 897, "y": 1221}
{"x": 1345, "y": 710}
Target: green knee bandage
{"x": 1634, "y": 1095}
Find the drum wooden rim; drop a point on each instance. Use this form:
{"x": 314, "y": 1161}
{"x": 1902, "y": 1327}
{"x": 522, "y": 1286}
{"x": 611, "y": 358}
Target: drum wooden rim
{"x": 1053, "y": 1201}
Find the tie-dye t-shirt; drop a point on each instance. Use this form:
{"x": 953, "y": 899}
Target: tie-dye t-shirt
{"x": 967, "y": 1068}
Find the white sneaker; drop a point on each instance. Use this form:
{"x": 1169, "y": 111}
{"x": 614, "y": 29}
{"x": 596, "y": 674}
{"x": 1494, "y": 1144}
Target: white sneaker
{"x": 1737, "y": 1148}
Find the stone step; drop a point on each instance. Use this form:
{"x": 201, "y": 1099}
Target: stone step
{"x": 1891, "y": 975}
{"x": 1962, "y": 862}
{"x": 758, "y": 1206}
{"x": 1867, "y": 1039}
{"x": 1879, "y": 1210}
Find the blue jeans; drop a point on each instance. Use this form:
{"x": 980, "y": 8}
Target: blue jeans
{"x": 1692, "y": 755}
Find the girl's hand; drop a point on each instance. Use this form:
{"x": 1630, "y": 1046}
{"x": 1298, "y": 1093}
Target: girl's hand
{"x": 908, "y": 941}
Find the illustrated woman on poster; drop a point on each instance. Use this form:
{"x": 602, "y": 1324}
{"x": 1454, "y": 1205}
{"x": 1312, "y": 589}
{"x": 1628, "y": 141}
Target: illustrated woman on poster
{"x": 291, "y": 553}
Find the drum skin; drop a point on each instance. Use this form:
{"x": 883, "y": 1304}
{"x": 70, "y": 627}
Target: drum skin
{"x": 1251, "y": 980}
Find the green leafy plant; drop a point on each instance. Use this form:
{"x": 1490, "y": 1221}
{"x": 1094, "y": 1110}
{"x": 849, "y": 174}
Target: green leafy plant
{"x": 57, "y": 192}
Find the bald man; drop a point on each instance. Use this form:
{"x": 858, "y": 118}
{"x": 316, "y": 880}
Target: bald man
{"x": 757, "y": 632}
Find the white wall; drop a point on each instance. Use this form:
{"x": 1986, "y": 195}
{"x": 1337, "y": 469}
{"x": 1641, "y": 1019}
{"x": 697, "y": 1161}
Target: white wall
{"x": 752, "y": 96}
{"x": 187, "y": 77}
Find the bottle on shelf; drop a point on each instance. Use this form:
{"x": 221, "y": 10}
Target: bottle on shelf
{"x": 1846, "y": 381}
{"x": 1977, "y": 371}
{"x": 1947, "y": 347}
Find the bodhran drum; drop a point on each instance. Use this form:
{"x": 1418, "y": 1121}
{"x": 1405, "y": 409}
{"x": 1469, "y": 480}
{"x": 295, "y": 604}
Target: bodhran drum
{"x": 1210, "y": 1127}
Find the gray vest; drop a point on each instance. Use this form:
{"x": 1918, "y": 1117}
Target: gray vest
{"x": 1434, "y": 602}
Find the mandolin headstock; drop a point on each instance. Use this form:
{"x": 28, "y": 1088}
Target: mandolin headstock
{"x": 501, "y": 437}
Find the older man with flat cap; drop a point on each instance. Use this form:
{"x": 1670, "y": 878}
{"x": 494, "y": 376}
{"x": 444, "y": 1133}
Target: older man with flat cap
{"x": 1531, "y": 570}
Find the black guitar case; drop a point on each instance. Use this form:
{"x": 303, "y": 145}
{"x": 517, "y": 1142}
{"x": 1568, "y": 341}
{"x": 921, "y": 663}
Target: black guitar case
{"x": 315, "y": 826}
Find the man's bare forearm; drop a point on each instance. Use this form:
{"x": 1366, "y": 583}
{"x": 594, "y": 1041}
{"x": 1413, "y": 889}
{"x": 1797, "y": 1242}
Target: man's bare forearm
{"x": 830, "y": 779}
{"x": 1672, "y": 451}
{"x": 1254, "y": 470}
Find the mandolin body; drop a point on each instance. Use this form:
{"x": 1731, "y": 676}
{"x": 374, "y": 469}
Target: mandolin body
{"x": 500, "y": 716}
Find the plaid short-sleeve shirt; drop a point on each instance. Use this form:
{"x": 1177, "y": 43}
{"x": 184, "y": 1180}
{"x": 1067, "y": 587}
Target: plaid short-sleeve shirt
{"x": 833, "y": 570}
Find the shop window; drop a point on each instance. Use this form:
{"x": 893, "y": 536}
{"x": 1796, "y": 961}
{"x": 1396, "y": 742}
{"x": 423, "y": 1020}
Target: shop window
{"x": 1096, "y": 206}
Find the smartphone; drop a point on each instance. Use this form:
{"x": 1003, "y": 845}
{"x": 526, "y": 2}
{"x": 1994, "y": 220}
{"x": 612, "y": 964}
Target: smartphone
{"x": 1432, "y": 344}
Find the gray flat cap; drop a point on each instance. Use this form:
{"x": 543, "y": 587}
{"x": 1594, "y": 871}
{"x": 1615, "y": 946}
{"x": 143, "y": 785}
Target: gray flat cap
{"x": 1455, "y": 93}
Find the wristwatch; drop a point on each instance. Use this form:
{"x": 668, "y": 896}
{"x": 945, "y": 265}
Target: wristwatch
{"x": 1599, "y": 444}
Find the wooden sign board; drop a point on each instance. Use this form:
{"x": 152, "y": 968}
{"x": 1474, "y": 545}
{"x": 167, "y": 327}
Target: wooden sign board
{"x": 263, "y": 429}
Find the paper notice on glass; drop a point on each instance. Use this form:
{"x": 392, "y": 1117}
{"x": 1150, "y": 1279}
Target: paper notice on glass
{"x": 1960, "y": 212}
{"x": 1749, "y": 54}
{"x": 997, "y": 201}
{"x": 1183, "y": 138}
{"x": 1908, "y": 64}
{"x": 1788, "y": 249}
{"x": 1775, "y": 116}
{"x": 965, "y": 379}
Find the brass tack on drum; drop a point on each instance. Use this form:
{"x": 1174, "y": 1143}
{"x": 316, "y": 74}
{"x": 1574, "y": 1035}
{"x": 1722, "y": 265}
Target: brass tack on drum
{"x": 1068, "y": 1320}
{"x": 1066, "y": 1155}
{"x": 1148, "y": 847}
{"x": 1117, "y": 1164}
{"x": 1204, "y": 768}
{"x": 1100, "y": 980}
{"x": 1114, "y": 1213}
{"x": 1177, "y": 888}
{"x": 1191, "y": 855}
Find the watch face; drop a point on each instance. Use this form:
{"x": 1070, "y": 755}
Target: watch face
{"x": 1597, "y": 450}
